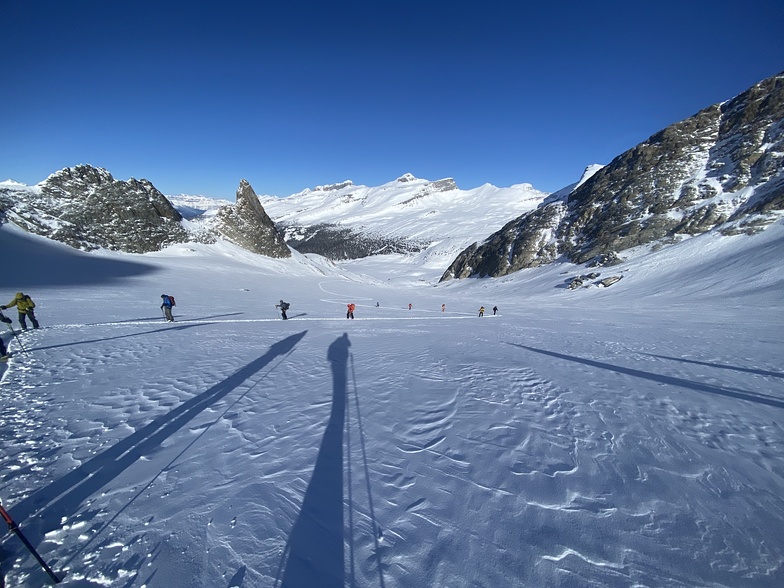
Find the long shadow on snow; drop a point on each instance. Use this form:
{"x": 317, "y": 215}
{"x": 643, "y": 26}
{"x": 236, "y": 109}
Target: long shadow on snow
{"x": 63, "y": 265}
{"x": 670, "y": 380}
{"x": 314, "y": 551}
{"x": 152, "y": 319}
{"x": 377, "y": 532}
{"x": 88, "y": 341}
{"x": 720, "y": 366}
{"x": 63, "y": 497}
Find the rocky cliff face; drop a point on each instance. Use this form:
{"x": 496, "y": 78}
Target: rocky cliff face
{"x": 246, "y": 224}
{"x": 86, "y": 208}
{"x": 722, "y": 169}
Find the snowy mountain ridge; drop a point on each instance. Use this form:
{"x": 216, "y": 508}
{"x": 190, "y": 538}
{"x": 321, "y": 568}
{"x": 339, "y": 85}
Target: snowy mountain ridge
{"x": 719, "y": 170}
{"x": 435, "y": 218}
{"x": 406, "y": 207}
{"x": 340, "y": 221}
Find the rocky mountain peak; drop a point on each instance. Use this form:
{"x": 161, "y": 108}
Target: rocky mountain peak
{"x": 85, "y": 207}
{"x": 721, "y": 169}
{"x": 246, "y": 224}
{"x": 334, "y": 187}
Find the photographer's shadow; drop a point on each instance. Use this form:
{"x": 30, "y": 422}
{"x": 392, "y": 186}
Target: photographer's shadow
{"x": 314, "y": 553}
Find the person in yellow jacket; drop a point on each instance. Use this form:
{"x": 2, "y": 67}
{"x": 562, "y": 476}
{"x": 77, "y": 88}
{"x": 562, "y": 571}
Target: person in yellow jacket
{"x": 25, "y": 305}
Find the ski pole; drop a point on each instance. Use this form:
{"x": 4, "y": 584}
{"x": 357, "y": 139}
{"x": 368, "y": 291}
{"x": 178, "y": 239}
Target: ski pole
{"x": 18, "y": 340}
{"x": 15, "y": 528}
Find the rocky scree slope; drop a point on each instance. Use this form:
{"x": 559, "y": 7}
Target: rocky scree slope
{"x": 722, "y": 169}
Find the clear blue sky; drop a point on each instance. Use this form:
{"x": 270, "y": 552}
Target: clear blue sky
{"x": 196, "y": 95}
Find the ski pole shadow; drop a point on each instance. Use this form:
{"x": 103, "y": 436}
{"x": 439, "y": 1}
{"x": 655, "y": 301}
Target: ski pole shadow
{"x": 150, "y": 319}
{"x": 375, "y": 528}
{"x": 314, "y": 552}
{"x": 184, "y": 317}
{"x": 63, "y": 497}
{"x": 238, "y": 578}
{"x": 669, "y": 380}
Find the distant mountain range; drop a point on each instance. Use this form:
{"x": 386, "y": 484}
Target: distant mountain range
{"x": 720, "y": 170}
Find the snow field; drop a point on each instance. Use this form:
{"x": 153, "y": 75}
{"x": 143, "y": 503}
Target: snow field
{"x": 596, "y": 438}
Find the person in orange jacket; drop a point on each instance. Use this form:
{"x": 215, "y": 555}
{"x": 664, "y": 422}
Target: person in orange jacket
{"x": 350, "y": 306}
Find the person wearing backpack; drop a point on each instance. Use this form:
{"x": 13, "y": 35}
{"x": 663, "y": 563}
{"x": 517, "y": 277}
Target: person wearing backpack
{"x": 283, "y": 306}
{"x": 25, "y": 305}
{"x": 168, "y": 303}
{"x": 3, "y": 348}
{"x": 350, "y": 310}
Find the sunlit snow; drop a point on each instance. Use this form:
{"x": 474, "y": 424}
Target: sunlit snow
{"x": 622, "y": 436}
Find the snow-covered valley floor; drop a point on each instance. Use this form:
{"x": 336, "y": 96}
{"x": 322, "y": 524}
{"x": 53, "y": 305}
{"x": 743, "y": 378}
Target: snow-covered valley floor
{"x": 627, "y": 436}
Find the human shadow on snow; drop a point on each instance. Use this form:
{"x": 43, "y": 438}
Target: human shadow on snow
{"x": 720, "y": 366}
{"x": 168, "y": 327}
{"x": 669, "y": 380}
{"x": 63, "y": 497}
{"x": 314, "y": 551}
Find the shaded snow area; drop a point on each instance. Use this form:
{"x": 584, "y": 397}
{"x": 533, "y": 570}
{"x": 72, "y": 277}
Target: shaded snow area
{"x": 622, "y": 436}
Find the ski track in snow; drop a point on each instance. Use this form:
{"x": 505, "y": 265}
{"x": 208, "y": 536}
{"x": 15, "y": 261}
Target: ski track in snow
{"x": 555, "y": 447}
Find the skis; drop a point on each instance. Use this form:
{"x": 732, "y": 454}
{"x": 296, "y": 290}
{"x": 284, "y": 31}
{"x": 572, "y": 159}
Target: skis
{"x": 15, "y": 528}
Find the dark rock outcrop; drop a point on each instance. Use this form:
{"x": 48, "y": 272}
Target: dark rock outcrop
{"x": 86, "y": 208}
{"x": 337, "y": 242}
{"x": 525, "y": 242}
{"x": 721, "y": 169}
{"x": 246, "y": 224}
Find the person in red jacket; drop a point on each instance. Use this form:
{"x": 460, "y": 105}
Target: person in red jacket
{"x": 350, "y": 306}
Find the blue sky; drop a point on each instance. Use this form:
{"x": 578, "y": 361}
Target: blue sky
{"x": 195, "y": 95}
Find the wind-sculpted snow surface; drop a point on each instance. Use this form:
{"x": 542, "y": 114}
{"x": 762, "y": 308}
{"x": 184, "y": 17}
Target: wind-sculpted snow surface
{"x": 575, "y": 439}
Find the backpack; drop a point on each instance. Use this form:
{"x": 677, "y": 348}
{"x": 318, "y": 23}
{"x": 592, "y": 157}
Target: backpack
{"x": 171, "y": 299}
{"x": 29, "y": 301}
{"x": 285, "y": 306}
